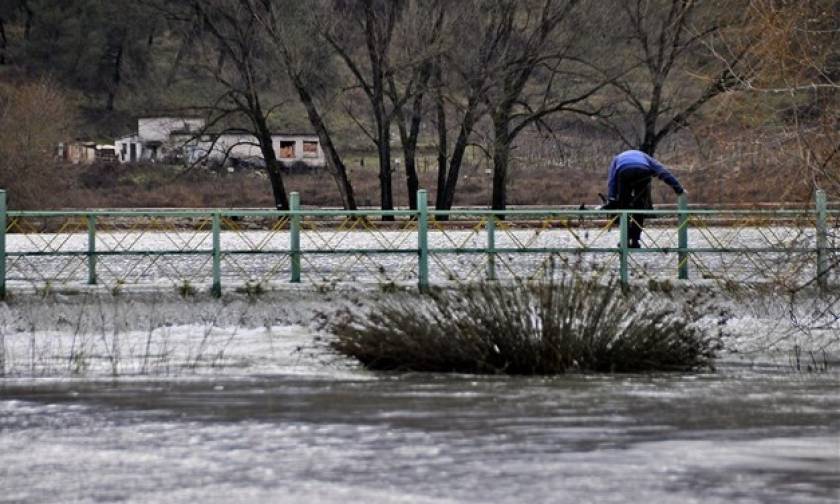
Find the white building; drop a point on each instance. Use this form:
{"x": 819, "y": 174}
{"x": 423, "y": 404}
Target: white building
{"x": 158, "y": 138}
{"x": 152, "y": 141}
{"x": 159, "y": 129}
{"x": 288, "y": 147}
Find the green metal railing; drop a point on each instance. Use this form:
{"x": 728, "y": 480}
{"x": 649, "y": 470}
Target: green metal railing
{"x": 423, "y": 246}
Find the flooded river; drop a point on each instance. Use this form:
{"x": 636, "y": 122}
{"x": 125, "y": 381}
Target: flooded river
{"x": 740, "y": 434}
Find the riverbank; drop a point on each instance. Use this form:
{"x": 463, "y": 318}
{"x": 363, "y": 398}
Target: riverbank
{"x": 146, "y": 332}
{"x": 105, "y": 185}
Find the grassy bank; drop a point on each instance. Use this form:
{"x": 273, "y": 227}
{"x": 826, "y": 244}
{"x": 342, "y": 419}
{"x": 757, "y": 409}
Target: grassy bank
{"x": 151, "y": 186}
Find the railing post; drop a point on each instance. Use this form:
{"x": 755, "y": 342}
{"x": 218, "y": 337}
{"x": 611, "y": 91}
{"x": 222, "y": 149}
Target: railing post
{"x": 294, "y": 235}
{"x": 217, "y": 254}
{"x": 2, "y": 244}
{"x": 91, "y": 222}
{"x": 682, "y": 237}
{"x": 422, "y": 240}
{"x": 822, "y": 238}
{"x": 623, "y": 249}
{"x": 491, "y": 247}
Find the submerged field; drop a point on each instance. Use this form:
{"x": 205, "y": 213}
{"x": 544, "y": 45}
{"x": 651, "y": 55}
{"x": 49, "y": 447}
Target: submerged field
{"x": 727, "y": 254}
{"x": 163, "y": 333}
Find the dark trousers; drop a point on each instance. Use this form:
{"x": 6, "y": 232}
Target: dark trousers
{"x": 634, "y": 194}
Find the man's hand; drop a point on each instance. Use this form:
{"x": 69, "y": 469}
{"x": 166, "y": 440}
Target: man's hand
{"x": 609, "y": 205}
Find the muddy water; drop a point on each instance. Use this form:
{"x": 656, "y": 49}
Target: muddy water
{"x": 738, "y": 435}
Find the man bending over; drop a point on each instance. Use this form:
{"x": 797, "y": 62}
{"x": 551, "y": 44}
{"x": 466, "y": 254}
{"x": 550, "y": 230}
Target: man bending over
{"x": 628, "y": 187}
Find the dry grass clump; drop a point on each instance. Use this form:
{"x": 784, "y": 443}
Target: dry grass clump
{"x": 573, "y": 325}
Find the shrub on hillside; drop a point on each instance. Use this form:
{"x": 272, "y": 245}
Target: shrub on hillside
{"x": 573, "y": 325}
{"x": 34, "y": 118}
{"x": 101, "y": 176}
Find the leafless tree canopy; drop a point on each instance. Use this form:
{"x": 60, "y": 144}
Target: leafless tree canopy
{"x": 445, "y": 80}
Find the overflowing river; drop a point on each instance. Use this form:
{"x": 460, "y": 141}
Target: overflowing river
{"x": 742, "y": 434}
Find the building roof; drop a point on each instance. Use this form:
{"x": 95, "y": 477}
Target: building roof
{"x": 280, "y": 133}
{"x": 129, "y": 135}
{"x": 169, "y": 117}
{"x": 238, "y": 132}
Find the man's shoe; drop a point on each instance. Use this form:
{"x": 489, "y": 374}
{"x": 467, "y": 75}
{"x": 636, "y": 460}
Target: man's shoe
{"x": 630, "y": 245}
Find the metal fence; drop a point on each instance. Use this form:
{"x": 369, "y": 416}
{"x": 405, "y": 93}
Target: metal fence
{"x": 250, "y": 249}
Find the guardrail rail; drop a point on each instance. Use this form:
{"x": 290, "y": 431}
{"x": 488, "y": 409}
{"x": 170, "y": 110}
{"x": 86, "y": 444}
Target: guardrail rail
{"x": 262, "y": 248}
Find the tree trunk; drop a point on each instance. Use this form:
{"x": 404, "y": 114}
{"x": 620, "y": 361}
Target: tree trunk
{"x": 409, "y": 144}
{"x": 410, "y": 134}
{"x": 272, "y": 166}
{"x": 3, "y": 42}
{"x": 408, "y": 139}
{"x": 278, "y": 189}
{"x": 649, "y": 143}
{"x": 442, "y": 141}
{"x": 116, "y": 76}
{"x": 412, "y": 181}
{"x": 448, "y": 197}
{"x": 501, "y": 159}
{"x": 378, "y": 40}
{"x": 458, "y": 152}
{"x": 339, "y": 171}
{"x": 30, "y": 17}
{"x": 176, "y": 63}
{"x": 384, "y": 149}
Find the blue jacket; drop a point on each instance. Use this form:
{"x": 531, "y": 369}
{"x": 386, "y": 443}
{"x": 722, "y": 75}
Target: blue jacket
{"x": 638, "y": 159}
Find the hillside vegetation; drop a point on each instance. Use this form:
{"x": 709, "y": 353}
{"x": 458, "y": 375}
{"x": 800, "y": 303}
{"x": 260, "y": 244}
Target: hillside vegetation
{"x": 482, "y": 102}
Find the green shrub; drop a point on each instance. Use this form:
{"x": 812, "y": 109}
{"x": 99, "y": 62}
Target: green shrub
{"x": 573, "y": 325}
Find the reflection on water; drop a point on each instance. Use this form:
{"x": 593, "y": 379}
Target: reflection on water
{"x": 734, "y": 436}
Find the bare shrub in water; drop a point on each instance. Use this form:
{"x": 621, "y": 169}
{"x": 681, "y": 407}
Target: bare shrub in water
{"x": 574, "y": 325}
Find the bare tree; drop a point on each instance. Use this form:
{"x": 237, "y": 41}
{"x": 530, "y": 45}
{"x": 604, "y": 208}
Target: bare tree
{"x": 794, "y": 75}
{"x": 666, "y": 40}
{"x": 514, "y": 72}
{"x": 34, "y": 118}
{"x": 466, "y": 75}
{"x": 539, "y": 73}
{"x": 234, "y": 54}
{"x": 4, "y": 41}
{"x": 368, "y": 24}
{"x": 421, "y": 41}
{"x": 307, "y": 67}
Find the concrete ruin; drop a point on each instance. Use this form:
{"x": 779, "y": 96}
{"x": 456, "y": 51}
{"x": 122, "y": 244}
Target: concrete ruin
{"x": 185, "y": 140}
